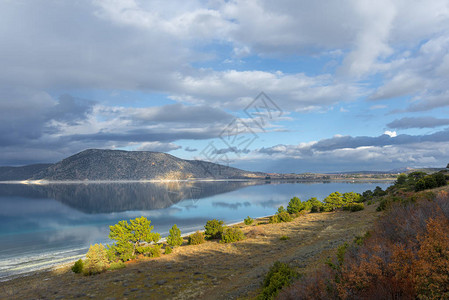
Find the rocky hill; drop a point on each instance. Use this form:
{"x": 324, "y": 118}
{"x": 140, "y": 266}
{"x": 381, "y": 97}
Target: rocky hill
{"x": 21, "y": 173}
{"x": 95, "y": 164}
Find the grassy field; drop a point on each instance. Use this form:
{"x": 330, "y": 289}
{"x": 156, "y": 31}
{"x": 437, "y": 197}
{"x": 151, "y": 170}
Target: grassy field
{"x": 207, "y": 271}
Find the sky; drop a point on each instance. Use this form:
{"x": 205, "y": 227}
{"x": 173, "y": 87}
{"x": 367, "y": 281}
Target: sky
{"x": 276, "y": 86}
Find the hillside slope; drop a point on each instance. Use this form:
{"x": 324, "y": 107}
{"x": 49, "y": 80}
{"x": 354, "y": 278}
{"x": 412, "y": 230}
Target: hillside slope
{"x": 95, "y": 164}
{"x": 21, "y": 173}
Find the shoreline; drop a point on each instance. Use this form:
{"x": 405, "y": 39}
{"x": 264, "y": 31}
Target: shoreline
{"x": 190, "y": 272}
{"x": 82, "y": 256}
{"x": 268, "y": 181}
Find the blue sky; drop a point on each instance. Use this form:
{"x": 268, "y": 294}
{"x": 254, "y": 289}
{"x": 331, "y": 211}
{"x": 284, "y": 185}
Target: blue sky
{"x": 353, "y": 85}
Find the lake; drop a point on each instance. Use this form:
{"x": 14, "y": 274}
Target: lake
{"x": 45, "y": 225}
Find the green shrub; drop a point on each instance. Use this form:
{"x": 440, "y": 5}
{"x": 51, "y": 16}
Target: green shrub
{"x": 309, "y": 204}
{"x": 352, "y": 197}
{"x": 281, "y": 209}
{"x": 279, "y": 275}
{"x": 174, "y": 238}
{"x": 96, "y": 260}
{"x": 154, "y": 250}
{"x": 214, "y": 229}
{"x": 354, "y": 207}
{"x": 333, "y": 201}
{"x": 317, "y": 208}
{"x": 284, "y": 238}
{"x": 117, "y": 265}
{"x": 295, "y": 205}
{"x": 168, "y": 250}
{"x": 284, "y": 217}
{"x": 248, "y": 221}
{"x": 196, "y": 238}
{"x": 232, "y": 234}
{"x": 78, "y": 266}
{"x": 274, "y": 219}
{"x": 130, "y": 237}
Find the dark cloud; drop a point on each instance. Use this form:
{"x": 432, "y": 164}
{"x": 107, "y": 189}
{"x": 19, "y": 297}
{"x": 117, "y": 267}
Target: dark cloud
{"x": 421, "y": 122}
{"x": 230, "y": 150}
{"x": 180, "y": 113}
{"x": 71, "y": 110}
{"x": 188, "y": 149}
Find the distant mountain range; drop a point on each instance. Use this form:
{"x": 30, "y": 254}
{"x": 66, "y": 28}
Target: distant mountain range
{"x": 96, "y": 164}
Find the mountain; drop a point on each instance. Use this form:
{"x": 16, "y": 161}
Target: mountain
{"x": 95, "y": 164}
{"x": 21, "y": 173}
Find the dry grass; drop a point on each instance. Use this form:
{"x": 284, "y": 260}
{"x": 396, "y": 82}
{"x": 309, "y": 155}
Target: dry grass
{"x": 207, "y": 271}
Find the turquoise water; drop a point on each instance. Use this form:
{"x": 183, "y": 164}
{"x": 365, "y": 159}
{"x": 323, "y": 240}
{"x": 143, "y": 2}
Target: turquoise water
{"x": 46, "y": 225}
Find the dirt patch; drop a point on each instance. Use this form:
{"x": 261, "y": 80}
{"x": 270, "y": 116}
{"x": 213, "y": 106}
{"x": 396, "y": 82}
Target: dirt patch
{"x": 207, "y": 271}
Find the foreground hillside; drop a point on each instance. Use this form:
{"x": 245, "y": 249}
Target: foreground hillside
{"x": 207, "y": 271}
{"x": 96, "y": 164}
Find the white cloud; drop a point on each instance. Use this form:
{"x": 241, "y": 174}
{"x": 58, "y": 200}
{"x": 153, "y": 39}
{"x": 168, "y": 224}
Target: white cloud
{"x": 391, "y": 133}
{"x": 157, "y": 147}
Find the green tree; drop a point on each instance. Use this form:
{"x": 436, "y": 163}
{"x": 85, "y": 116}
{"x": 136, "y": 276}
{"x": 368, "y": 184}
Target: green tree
{"x": 351, "y": 197}
{"x": 401, "y": 180}
{"x": 440, "y": 179}
{"x": 313, "y": 204}
{"x": 378, "y": 192}
{"x": 214, "y": 229}
{"x": 281, "y": 209}
{"x": 174, "y": 238}
{"x": 130, "y": 237}
{"x": 96, "y": 260}
{"x": 295, "y": 205}
{"x": 333, "y": 201}
{"x": 248, "y": 221}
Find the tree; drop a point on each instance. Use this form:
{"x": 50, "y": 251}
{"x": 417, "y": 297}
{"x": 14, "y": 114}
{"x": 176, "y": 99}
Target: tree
{"x": 96, "y": 260}
{"x": 281, "y": 209}
{"x": 174, "y": 238}
{"x": 295, "y": 205}
{"x": 351, "y": 197}
{"x": 440, "y": 179}
{"x": 334, "y": 201}
{"x": 214, "y": 229}
{"x": 402, "y": 179}
{"x": 378, "y": 192}
{"x": 130, "y": 237}
{"x": 311, "y": 203}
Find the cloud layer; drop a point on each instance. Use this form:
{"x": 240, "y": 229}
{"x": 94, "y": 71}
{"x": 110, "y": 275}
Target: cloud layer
{"x": 209, "y": 60}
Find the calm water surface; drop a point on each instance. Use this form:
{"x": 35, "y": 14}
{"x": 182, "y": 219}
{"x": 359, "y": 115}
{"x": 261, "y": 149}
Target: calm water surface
{"x": 46, "y": 225}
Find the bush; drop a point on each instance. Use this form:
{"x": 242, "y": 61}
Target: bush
{"x": 284, "y": 217}
{"x": 354, "y": 207}
{"x": 214, "y": 229}
{"x": 274, "y": 219}
{"x": 130, "y": 237}
{"x": 316, "y": 208}
{"x": 196, "y": 238}
{"x": 279, "y": 275}
{"x": 117, "y": 265}
{"x": 232, "y": 234}
{"x": 352, "y": 197}
{"x": 309, "y": 204}
{"x": 168, "y": 250}
{"x": 96, "y": 260}
{"x": 78, "y": 266}
{"x": 174, "y": 238}
{"x": 295, "y": 205}
{"x": 333, "y": 201}
{"x": 248, "y": 221}
{"x": 284, "y": 238}
{"x": 153, "y": 251}
{"x": 281, "y": 209}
